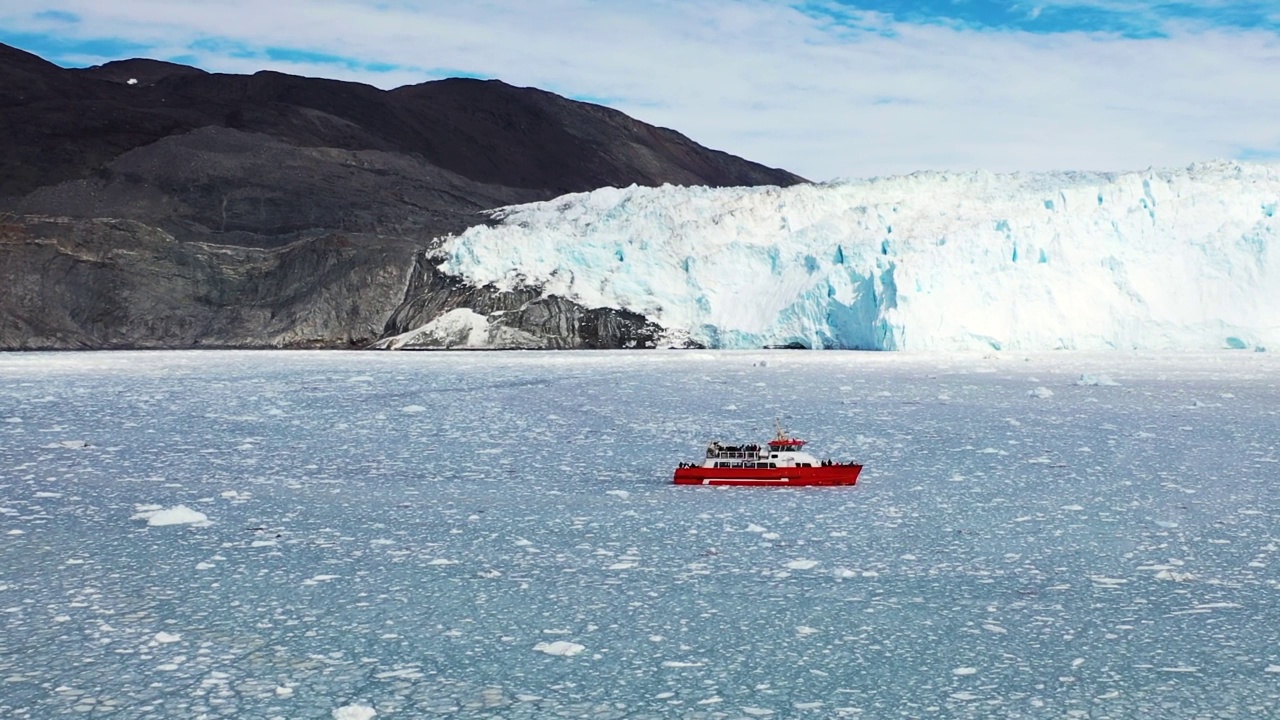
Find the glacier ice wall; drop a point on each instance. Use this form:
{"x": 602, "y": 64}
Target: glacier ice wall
{"x": 1182, "y": 259}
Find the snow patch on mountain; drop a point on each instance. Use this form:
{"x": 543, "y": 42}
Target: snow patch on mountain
{"x": 1181, "y": 259}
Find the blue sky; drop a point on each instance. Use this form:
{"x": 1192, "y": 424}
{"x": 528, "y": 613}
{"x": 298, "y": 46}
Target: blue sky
{"x": 827, "y": 88}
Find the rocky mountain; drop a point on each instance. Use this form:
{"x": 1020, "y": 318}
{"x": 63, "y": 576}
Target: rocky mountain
{"x": 148, "y": 204}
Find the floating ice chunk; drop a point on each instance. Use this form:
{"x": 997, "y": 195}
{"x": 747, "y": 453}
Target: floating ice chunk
{"x": 409, "y": 673}
{"x": 623, "y": 494}
{"x": 165, "y": 638}
{"x": 204, "y": 566}
{"x": 754, "y": 528}
{"x": 1073, "y": 508}
{"x": 316, "y": 580}
{"x": 1272, "y": 669}
{"x": 68, "y": 445}
{"x": 963, "y": 696}
{"x": 1180, "y": 669}
{"x": 1174, "y": 576}
{"x": 806, "y": 630}
{"x": 757, "y": 712}
{"x": 994, "y": 628}
{"x": 770, "y": 536}
{"x": 680, "y": 664}
{"x": 176, "y": 515}
{"x": 1099, "y": 380}
{"x": 965, "y": 671}
{"x": 802, "y": 564}
{"x": 442, "y": 561}
{"x": 621, "y": 566}
{"x": 48, "y": 495}
{"x": 559, "y": 647}
{"x": 413, "y": 409}
{"x": 1040, "y": 392}
{"x": 1107, "y": 581}
{"x": 283, "y": 691}
{"x": 354, "y": 712}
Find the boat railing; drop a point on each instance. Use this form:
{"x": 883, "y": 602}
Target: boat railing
{"x": 733, "y": 455}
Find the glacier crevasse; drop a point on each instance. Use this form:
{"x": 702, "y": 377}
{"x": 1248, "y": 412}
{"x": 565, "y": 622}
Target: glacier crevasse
{"x": 1180, "y": 259}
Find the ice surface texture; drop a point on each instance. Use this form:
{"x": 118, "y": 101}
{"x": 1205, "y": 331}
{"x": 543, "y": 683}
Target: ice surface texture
{"x": 495, "y": 535}
{"x": 1153, "y": 260}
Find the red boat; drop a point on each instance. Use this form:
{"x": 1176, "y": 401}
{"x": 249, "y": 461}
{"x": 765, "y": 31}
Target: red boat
{"x": 780, "y": 463}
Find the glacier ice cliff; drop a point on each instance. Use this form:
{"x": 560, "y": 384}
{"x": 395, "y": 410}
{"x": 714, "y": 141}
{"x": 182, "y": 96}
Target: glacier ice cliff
{"x": 1179, "y": 259}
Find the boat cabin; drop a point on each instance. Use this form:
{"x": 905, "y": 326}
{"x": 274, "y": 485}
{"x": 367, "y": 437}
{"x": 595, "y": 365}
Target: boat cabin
{"x": 781, "y": 452}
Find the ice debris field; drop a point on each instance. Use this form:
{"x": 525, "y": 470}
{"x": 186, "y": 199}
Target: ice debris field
{"x": 355, "y": 536}
{"x": 1183, "y": 259}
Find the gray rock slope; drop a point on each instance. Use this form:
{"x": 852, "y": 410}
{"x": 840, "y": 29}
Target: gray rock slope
{"x": 198, "y": 210}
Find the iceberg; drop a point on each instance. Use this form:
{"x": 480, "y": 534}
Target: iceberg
{"x": 1156, "y": 260}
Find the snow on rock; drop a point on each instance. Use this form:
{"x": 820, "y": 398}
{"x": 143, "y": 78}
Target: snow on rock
{"x": 176, "y": 515}
{"x": 1160, "y": 259}
{"x": 559, "y": 647}
{"x": 354, "y": 712}
{"x": 459, "y": 328}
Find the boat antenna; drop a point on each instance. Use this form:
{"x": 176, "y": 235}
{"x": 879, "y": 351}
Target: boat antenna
{"x": 777, "y": 424}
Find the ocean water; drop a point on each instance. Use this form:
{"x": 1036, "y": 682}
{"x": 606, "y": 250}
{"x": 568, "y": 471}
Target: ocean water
{"x": 334, "y": 535}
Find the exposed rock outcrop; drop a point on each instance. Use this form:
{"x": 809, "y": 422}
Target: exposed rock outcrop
{"x": 148, "y": 204}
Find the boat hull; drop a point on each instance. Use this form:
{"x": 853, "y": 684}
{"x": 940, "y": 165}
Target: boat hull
{"x": 825, "y": 475}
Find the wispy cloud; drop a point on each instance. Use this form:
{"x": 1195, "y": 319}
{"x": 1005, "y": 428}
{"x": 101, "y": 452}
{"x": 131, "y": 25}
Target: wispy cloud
{"x": 824, "y": 88}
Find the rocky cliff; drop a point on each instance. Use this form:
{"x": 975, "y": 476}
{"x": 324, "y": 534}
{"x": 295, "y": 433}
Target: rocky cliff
{"x": 147, "y": 204}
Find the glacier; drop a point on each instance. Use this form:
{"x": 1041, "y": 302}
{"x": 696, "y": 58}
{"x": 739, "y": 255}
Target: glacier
{"x": 1157, "y": 260}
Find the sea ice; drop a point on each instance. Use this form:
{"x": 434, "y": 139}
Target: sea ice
{"x": 1017, "y": 571}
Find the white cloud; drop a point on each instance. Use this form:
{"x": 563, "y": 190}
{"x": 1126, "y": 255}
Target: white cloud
{"x": 823, "y": 95}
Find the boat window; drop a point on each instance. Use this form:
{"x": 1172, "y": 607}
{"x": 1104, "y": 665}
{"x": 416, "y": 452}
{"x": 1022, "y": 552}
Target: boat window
{"x": 773, "y": 465}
